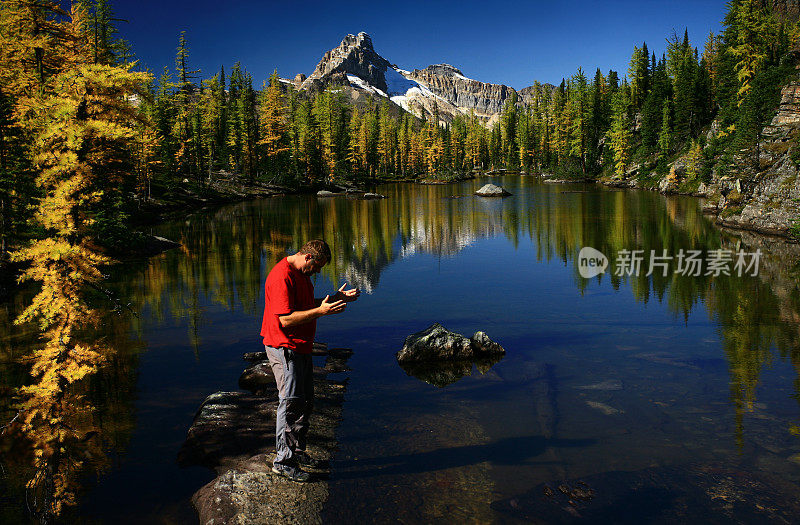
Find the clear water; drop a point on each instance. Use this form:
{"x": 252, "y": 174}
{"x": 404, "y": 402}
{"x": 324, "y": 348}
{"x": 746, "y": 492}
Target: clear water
{"x": 603, "y": 374}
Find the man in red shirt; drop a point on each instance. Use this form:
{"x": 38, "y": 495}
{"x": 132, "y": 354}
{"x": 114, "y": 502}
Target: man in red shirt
{"x": 288, "y": 328}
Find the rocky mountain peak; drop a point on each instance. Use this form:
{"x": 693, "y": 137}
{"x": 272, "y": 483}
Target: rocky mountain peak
{"x": 361, "y": 40}
{"x": 354, "y": 56}
{"x": 444, "y": 69}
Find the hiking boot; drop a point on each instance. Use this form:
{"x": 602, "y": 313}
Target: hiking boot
{"x": 305, "y": 460}
{"x": 292, "y": 473}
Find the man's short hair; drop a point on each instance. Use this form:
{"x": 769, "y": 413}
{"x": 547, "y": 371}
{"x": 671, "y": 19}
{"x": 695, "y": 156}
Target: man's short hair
{"x": 318, "y": 249}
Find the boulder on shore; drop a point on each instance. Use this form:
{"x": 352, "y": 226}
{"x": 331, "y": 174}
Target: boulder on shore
{"x": 436, "y": 343}
{"x": 491, "y": 190}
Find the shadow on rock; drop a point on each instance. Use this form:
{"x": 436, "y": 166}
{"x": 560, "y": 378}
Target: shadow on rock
{"x": 229, "y": 426}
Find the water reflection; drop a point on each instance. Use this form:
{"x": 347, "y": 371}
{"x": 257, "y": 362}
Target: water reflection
{"x": 62, "y": 425}
{"x": 226, "y": 254}
{"x": 441, "y": 374}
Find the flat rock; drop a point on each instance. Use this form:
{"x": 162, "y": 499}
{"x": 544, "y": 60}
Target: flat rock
{"x": 234, "y": 433}
{"x": 436, "y": 343}
{"x": 249, "y": 493}
{"x": 491, "y": 190}
{"x": 326, "y": 193}
{"x": 229, "y": 426}
{"x": 319, "y": 349}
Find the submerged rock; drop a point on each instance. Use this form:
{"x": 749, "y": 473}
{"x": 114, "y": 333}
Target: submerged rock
{"x": 369, "y": 195}
{"x": 686, "y": 494}
{"x": 326, "y": 193}
{"x": 153, "y": 245}
{"x": 436, "y": 343}
{"x": 491, "y": 190}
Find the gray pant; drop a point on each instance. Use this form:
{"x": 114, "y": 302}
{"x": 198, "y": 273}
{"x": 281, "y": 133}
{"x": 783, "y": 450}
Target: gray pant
{"x": 293, "y": 375}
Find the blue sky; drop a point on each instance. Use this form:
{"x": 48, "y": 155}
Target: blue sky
{"x": 492, "y": 41}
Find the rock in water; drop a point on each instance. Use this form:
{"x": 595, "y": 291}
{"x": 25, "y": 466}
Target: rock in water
{"x": 153, "y": 245}
{"x": 683, "y": 494}
{"x": 229, "y": 426}
{"x": 436, "y": 343}
{"x": 491, "y": 190}
{"x": 259, "y": 379}
{"x": 484, "y": 345}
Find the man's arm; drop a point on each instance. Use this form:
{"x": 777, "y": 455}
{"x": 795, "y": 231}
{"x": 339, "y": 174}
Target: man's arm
{"x": 327, "y": 307}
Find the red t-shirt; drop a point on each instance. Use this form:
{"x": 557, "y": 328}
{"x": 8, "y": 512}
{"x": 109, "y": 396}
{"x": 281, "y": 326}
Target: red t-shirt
{"x": 287, "y": 290}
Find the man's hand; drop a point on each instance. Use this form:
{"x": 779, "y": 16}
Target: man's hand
{"x": 330, "y": 306}
{"x": 347, "y": 296}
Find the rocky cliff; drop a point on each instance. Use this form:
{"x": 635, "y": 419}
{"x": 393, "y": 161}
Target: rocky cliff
{"x": 765, "y": 199}
{"x": 464, "y": 93}
{"x": 354, "y": 56}
{"x": 768, "y": 200}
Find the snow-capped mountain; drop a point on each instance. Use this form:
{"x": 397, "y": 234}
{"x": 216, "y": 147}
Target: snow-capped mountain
{"x": 355, "y": 63}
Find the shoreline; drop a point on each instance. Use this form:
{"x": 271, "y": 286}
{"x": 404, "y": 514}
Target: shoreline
{"x": 191, "y": 197}
{"x": 724, "y": 223}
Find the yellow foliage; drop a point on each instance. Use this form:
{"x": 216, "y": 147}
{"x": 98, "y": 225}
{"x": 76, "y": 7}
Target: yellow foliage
{"x": 80, "y": 121}
{"x": 272, "y": 118}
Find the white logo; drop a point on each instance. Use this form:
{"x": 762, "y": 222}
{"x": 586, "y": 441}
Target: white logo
{"x": 591, "y": 262}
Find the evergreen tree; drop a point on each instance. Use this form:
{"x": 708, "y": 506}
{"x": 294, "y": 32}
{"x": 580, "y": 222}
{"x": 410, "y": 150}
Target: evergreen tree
{"x": 220, "y": 140}
{"x": 598, "y": 119}
{"x": 665, "y": 135}
{"x": 620, "y": 135}
{"x": 272, "y": 119}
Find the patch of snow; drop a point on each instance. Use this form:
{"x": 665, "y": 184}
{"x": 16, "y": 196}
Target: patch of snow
{"x": 418, "y": 91}
{"x": 361, "y": 83}
{"x": 396, "y": 83}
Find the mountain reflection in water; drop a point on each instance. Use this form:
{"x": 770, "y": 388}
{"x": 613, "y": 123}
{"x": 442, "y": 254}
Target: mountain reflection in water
{"x": 423, "y": 256}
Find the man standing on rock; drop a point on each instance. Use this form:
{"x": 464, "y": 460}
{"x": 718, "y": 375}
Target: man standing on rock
{"x": 288, "y": 328}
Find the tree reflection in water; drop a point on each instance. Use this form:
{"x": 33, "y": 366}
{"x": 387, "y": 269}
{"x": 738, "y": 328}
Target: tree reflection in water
{"x": 79, "y": 404}
{"x": 78, "y": 407}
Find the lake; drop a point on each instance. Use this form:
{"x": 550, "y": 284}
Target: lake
{"x": 673, "y": 374}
